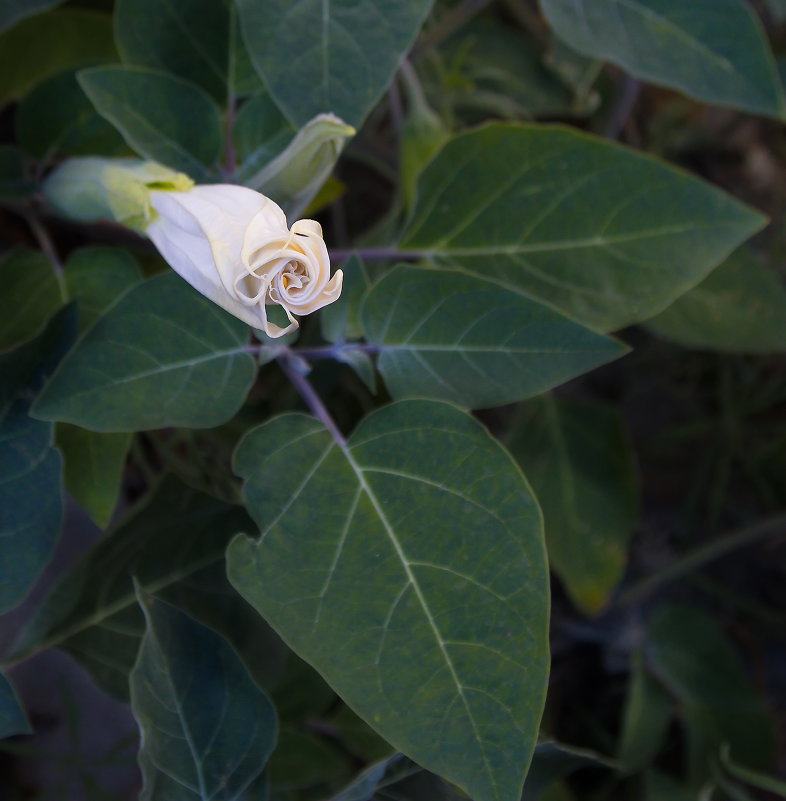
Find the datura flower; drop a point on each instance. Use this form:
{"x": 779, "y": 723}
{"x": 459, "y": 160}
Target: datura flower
{"x": 233, "y": 245}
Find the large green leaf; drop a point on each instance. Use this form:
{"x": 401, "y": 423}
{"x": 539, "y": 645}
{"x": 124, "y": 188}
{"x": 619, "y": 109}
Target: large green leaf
{"x": 580, "y": 461}
{"x": 713, "y": 50}
{"x": 31, "y": 502}
{"x": 13, "y": 10}
{"x": 408, "y": 567}
{"x": 93, "y": 468}
{"x": 692, "y": 657}
{"x": 448, "y": 335}
{"x": 197, "y": 40}
{"x": 317, "y": 56}
{"x": 45, "y": 44}
{"x": 162, "y": 117}
{"x": 740, "y": 307}
{"x": 174, "y": 547}
{"x": 31, "y": 294}
{"x": 163, "y": 355}
{"x": 56, "y": 118}
{"x": 207, "y": 729}
{"x": 607, "y": 235}
{"x": 96, "y": 277}
{"x": 13, "y": 719}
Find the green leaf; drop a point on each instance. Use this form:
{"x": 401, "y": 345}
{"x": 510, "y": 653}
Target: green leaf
{"x": 602, "y": 233}
{"x": 31, "y": 502}
{"x": 260, "y": 133}
{"x": 93, "y": 468}
{"x": 448, "y": 335}
{"x": 690, "y": 654}
{"x": 15, "y": 183}
{"x": 447, "y": 658}
{"x": 13, "y": 10}
{"x": 648, "y": 711}
{"x": 163, "y": 355}
{"x": 580, "y": 461}
{"x": 13, "y": 719}
{"x": 31, "y": 294}
{"x": 337, "y": 57}
{"x": 167, "y": 546}
{"x": 740, "y": 307}
{"x": 197, "y": 40}
{"x": 716, "y": 52}
{"x": 96, "y": 277}
{"x": 56, "y": 118}
{"x": 162, "y": 117}
{"x": 341, "y": 320}
{"x": 207, "y": 729}
{"x": 48, "y": 43}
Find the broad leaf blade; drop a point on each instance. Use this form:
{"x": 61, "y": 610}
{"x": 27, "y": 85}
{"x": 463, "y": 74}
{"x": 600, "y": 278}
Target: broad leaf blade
{"x": 602, "y": 233}
{"x": 740, "y": 307}
{"x": 174, "y": 547}
{"x": 451, "y": 336}
{"x": 193, "y": 39}
{"x": 713, "y": 50}
{"x": 163, "y": 118}
{"x": 447, "y": 657}
{"x": 163, "y": 355}
{"x": 56, "y": 118}
{"x": 31, "y": 500}
{"x": 207, "y": 729}
{"x": 580, "y": 461}
{"x": 340, "y": 320}
{"x": 346, "y": 51}
{"x": 96, "y": 277}
{"x": 93, "y": 468}
{"x": 31, "y": 295}
{"x": 47, "y": 43}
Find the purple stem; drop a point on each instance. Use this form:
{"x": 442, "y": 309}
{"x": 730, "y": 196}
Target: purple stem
{"x": 312, "y": 400}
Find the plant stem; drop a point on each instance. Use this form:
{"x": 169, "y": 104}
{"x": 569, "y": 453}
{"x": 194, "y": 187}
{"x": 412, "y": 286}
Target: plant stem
{"x": 311, "y": 398}
{"x": 47, "y": 247}
{"x": 742, "y": 538}
{"x": 333, "y": 351}
{"x": 629, "y": 91}
{"x": 378, "y": 254}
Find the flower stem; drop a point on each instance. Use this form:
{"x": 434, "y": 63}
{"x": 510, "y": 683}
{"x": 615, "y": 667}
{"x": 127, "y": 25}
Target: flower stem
{"x": 698, "y": 558}
{"x": 310, "y": 397}
{"x": 48, "y": 248}
{"x": 378, "y": 254}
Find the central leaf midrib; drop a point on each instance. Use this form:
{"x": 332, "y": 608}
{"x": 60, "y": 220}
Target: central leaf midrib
{"x": 360, "y": 474}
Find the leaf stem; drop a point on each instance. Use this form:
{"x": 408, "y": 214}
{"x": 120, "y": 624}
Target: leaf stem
{"x": 47, "y": 247}
{"x": 311, "y": 398}
{"x": 378, "y": 254}
{"x": 742, "y": 538}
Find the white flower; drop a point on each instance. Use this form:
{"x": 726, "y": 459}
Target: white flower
{"x": 232, "y": 244}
